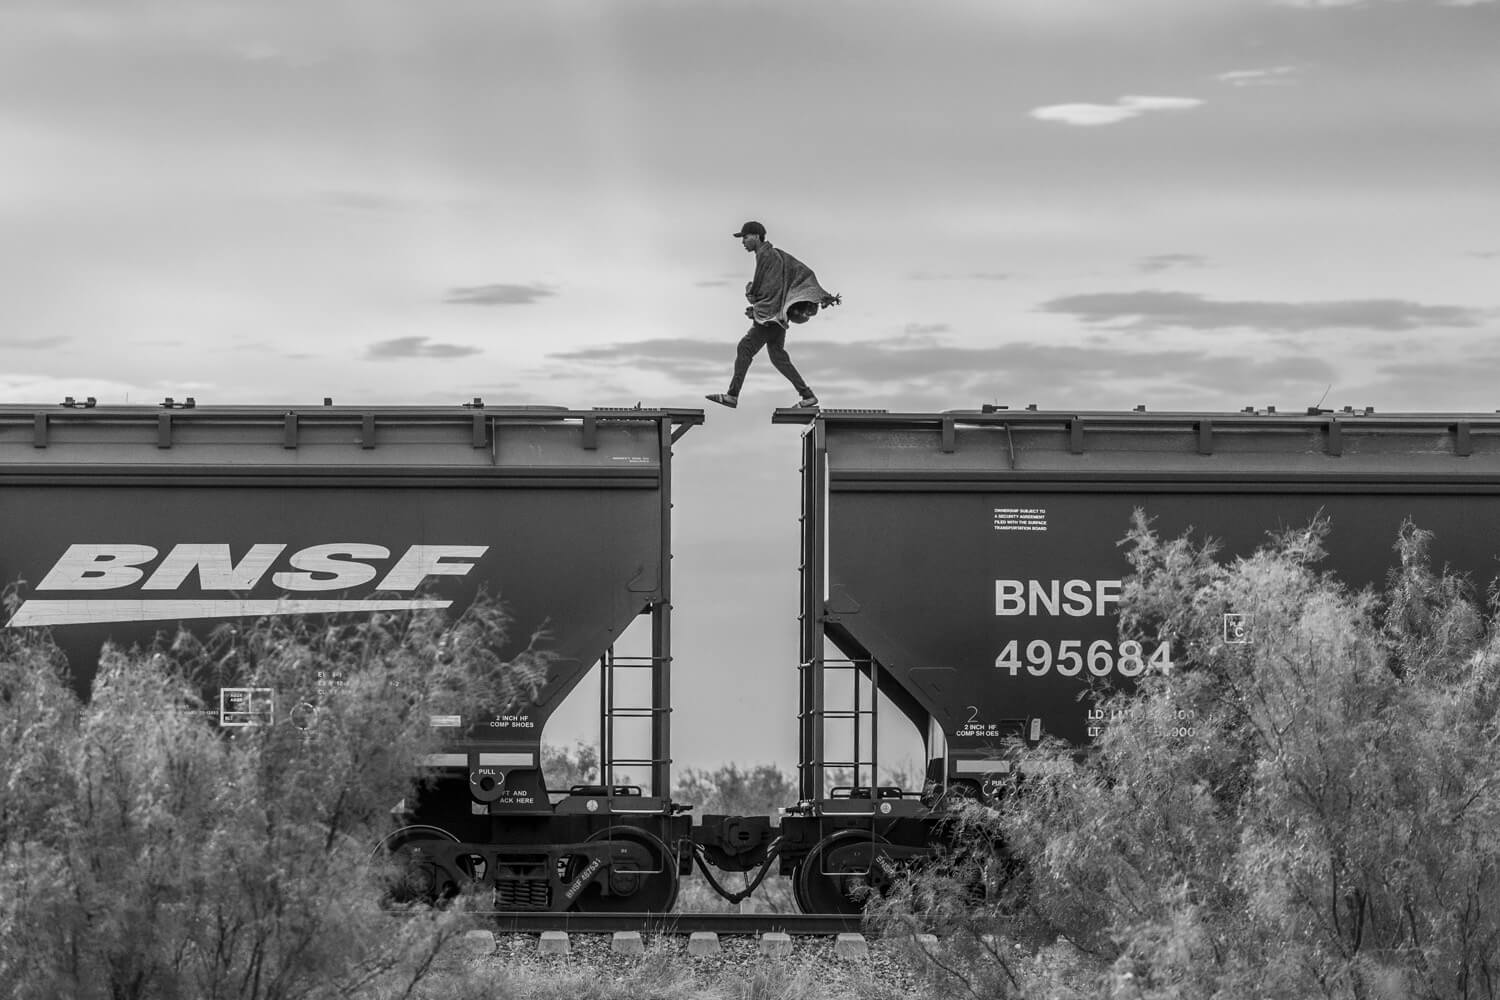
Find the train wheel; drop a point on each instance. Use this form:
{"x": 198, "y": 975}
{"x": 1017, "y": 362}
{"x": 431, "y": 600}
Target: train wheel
{"x": 837, "y": 876}
{"x": 651, "y": 889}
{"x": 416, "y": 876}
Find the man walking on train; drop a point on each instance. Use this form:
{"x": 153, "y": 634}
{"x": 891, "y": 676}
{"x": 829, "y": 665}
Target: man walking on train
{"x": 784, "y": 290}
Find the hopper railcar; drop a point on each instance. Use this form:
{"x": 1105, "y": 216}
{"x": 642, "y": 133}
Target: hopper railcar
{"x": 960, "y": 568}
{"x": 965, "y": 567}
{"x": 128, "y": 520}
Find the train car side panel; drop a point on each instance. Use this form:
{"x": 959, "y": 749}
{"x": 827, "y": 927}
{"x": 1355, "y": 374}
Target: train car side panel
{"x": 999, "y": 610}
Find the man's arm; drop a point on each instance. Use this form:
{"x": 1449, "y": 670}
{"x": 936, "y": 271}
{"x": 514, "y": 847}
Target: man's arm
{"x": 767, "y": 288}
{"x": 762, "y": 284}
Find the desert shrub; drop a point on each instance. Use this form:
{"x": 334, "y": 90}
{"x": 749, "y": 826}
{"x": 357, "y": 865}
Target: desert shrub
{"x": 148, "y": 853}
{"x": 1314, "y": 812}
{"x": 563, "y": 767}
{"x": 735, "y": 791}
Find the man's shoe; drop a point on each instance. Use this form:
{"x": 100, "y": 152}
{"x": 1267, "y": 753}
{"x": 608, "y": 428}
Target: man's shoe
{"x": 723, "y": 399}
{"x": 807, "y": 402}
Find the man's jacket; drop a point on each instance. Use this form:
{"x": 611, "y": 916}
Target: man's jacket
{"x": 780, "y": 281}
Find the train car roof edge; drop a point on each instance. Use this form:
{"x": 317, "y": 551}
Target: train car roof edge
{"x": 1260, "y": 418}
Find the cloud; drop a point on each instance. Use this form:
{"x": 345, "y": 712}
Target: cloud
{"x": 918, "y": 365}
{"x": 270, "y": 54}
{"x": 34, "y": 343}
{"x": 497, "y": 295}
{"x": 680, "y": 358}
{"x": 416, "y": 347}
{"x": 1462, "y": 383}
{"x": 1319, "y": 4}
{"x": 1109, "y": 114}
{"x": 1269, "y": 76}
{"x": 1485, "y": 254}
{"x": 363, "y": 201}
{"x": 970, "y": 276}
{"x": 1163, "y": 261}
{"x": 926, "y": 329}
{"x": 1155, "y": 309}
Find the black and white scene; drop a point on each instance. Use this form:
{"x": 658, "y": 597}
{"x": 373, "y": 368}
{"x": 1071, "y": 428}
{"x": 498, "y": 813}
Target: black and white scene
{"x": 598, "y": 500}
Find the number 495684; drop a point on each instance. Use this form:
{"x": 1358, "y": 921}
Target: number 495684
{"x": 1069, "y": 658}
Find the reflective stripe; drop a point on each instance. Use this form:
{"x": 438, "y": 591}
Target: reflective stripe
{"x": 1003, "y": 766}
{"x": 506, "y": 760}
{"x": 485, "y": 760}
{"x": 981, "y": 766}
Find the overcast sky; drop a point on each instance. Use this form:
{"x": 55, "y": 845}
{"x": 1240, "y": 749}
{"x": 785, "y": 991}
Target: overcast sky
{"x": 1085, "y": 204}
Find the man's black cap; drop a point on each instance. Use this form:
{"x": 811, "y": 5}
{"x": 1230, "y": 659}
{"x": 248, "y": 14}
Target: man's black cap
{"x": 752, "y": 227}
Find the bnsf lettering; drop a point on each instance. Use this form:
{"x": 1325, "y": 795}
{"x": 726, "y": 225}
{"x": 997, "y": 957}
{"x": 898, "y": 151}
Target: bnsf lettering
{"x": 332, "y": 566}
{"x": 1075, "y": 598}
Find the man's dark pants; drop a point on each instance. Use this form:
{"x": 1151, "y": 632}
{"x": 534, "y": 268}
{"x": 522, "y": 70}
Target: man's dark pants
{"x": 773, "y": 338}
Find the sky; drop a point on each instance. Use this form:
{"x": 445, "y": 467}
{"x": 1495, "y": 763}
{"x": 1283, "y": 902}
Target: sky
{"x": 1083, "y": 204}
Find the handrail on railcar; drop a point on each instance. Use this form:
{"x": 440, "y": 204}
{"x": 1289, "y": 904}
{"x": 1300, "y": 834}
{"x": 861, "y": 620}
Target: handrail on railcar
{"x": 70, "y": 408}
{"x": 1267, "y": 417}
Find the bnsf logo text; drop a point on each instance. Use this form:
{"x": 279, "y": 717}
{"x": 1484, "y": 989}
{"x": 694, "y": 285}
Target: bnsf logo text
{"x": 1074, "y": 598}
{"x": 336, "y": 566}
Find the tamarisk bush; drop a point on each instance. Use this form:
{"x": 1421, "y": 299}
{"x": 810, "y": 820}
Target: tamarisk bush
{"x": 1309, "y": 807}
{"x": 146, "y": 852}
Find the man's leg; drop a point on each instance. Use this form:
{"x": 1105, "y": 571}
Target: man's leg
{"x": 749, "y": 347}
{"x": 776, "y": 350}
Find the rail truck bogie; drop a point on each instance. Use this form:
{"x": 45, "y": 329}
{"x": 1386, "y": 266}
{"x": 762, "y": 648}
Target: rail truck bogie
{"x": 967, "y": 566}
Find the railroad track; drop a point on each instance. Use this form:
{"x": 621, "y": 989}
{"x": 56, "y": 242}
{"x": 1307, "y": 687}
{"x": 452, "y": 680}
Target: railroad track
{"x": 825, "y": 953}
{"x": 531, "y": 922}
{"x": 744, "y": 934}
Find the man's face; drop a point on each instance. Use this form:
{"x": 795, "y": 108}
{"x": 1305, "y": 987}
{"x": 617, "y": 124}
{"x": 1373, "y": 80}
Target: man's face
{"x": 750, "y": 241}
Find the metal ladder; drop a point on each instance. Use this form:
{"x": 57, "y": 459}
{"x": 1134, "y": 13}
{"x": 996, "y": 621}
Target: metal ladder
{"x": 659, "y": 761}
{"x": 813, "y": 715}
{"x": 864, "y": 705}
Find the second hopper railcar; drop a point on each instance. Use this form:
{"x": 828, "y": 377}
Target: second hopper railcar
{"x": 966, "y": 565}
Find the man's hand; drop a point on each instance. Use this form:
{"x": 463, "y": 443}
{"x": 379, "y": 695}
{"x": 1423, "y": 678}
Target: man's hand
{"x": 750, "y": 312}
{"x": 831, "y": 300}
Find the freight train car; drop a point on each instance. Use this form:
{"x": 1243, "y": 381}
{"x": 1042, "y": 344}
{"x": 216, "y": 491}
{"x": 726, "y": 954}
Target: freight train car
{"x": 966, "y": 566}
{"x": 124, "y": 521}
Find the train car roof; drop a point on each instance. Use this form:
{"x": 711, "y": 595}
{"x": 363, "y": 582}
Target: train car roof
{"x": 992, "y": 444}
{"x": 994, "y": 414}
{"x": 469, "y": 439}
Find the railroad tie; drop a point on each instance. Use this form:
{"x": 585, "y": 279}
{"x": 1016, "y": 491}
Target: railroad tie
{"x": 628, "y": 943}
{"x": 925, "y": 945}
{"x": 703, "y": 943}
{"x": 479, "y": 942}
{"x": 554, "y": 943}
{"x": 851, "y": 946}
{"x": 776, "y": 943}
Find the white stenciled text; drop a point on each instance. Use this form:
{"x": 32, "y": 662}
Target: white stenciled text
{"x": 1071, "y": 658}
